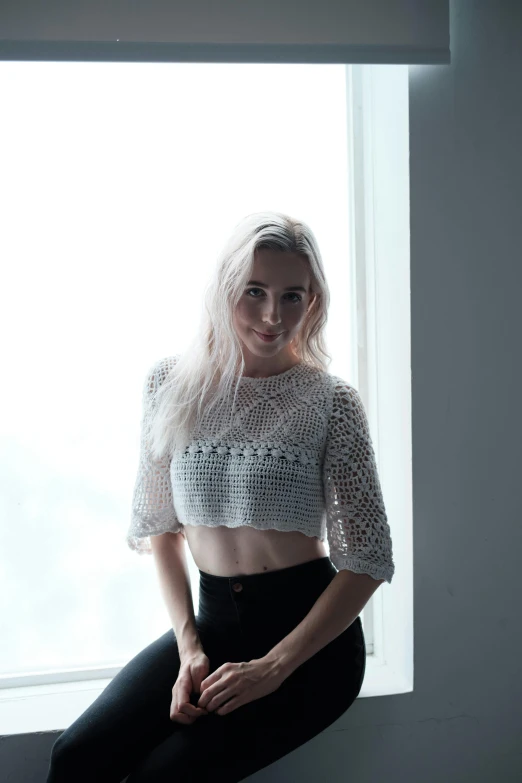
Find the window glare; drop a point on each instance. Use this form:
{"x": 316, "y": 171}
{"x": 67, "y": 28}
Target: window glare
{"x": 120, "y": 184}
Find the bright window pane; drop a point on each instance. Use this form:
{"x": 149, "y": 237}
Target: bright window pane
{"x": 119, "y": 184}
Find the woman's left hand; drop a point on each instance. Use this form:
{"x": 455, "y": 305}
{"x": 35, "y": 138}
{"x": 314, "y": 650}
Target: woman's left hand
{"x": 238, "y": 683}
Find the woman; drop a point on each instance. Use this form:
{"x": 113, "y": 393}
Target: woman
{"x": 253, "y": 454}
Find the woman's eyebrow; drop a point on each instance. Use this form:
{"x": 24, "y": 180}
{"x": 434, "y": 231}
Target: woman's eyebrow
{"x": 288, "y": 288}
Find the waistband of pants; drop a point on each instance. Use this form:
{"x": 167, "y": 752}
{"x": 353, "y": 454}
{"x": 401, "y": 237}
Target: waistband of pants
{"x": 309, "y": 575}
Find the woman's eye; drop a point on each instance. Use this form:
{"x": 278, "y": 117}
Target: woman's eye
{"x": 259, "y": 289}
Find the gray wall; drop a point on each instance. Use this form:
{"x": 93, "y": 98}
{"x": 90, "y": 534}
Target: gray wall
{"x": 463, "y": 721}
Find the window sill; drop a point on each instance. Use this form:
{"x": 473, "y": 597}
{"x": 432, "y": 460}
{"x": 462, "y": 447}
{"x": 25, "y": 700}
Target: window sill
{"x": 37, "y": 708}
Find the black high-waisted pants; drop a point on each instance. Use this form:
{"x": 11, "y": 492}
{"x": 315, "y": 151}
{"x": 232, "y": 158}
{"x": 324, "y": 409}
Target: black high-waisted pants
{"x": 127, "y": 730}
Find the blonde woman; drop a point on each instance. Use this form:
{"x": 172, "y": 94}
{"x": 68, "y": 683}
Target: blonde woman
{"x": 252, "y": 454}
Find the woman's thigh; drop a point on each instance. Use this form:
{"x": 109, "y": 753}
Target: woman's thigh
{"x": 229, "y": 748}
{"x": 129, "y": 717}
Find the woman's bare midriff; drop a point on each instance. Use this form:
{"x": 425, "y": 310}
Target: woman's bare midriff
{"x": 224, "y": 551}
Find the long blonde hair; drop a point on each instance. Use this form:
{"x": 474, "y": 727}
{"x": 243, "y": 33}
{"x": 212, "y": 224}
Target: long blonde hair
{"x": 210, "y": 368}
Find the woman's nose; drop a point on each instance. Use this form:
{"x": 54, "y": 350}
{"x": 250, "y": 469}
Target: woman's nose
{"x": 272, "y": 311}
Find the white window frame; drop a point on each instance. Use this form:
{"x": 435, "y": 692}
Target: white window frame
{"x": 378, "y": 134}
{"x": 378, "y": 156}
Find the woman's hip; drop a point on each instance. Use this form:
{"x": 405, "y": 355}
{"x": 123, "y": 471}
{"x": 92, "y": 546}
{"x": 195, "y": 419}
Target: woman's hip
{"x": 255, "y": 612}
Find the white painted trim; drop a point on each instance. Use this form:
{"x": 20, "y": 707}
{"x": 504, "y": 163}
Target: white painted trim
{"x": 44, "y": 708}
{"x": 378, "y": 96}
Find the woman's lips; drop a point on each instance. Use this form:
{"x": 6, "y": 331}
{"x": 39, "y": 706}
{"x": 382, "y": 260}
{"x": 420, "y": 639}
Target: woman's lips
{"x": 269, "y": 339}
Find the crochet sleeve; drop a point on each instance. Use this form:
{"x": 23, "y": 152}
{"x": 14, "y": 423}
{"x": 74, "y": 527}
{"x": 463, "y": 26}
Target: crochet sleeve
{"x": 152, "y": 503}
{"x": 357, "y": 525}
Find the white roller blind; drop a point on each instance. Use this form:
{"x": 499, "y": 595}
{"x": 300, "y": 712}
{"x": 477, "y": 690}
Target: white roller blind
{"x": 261, "y": 31}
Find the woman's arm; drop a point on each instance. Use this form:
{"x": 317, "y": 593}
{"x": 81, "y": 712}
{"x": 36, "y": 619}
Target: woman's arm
{"x": 168, "y": 550}
{"x": 335, "y": 610}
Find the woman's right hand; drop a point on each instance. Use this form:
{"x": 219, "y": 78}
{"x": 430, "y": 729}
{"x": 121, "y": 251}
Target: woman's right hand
{"x": 193, "y": 670}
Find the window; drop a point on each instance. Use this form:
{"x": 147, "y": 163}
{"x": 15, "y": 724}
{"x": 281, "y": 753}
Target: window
{"x": 109, "y": 170}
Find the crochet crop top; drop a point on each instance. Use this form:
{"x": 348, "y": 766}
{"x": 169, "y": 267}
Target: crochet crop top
{"x": 298, "y": 456}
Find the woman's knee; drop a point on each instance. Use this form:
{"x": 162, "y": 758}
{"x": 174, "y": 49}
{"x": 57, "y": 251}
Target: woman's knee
{"x": 70, "y": 758}
{"x": 61, "y": 761}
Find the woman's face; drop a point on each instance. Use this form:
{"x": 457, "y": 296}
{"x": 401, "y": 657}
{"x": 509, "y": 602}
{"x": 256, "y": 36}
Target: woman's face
{"x": 265, "y": 306}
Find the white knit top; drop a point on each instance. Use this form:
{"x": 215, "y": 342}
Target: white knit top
{"x": 298, "y": 456}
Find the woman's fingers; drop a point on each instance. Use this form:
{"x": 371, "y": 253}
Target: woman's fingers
{"x": 189, "y": 709}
